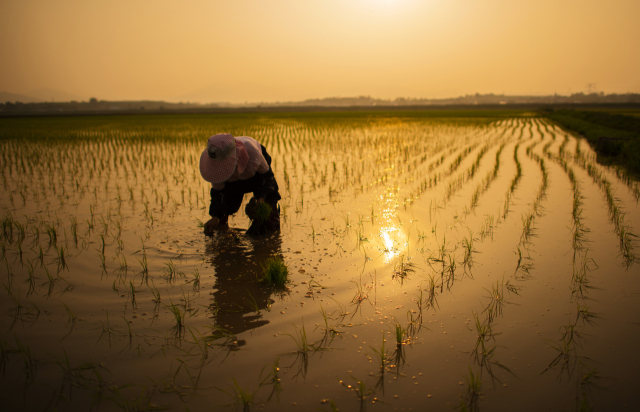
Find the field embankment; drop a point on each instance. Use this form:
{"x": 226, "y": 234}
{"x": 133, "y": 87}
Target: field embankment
{"x": 614, "y": 137}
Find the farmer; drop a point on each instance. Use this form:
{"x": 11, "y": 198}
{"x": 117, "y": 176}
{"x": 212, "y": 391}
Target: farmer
{"x": 235, "y": 166}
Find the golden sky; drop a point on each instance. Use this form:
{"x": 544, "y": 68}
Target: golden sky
{"x": 283, "y": 50}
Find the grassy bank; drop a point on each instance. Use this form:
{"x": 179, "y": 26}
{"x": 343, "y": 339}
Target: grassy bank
{"x": 615, "y": 137}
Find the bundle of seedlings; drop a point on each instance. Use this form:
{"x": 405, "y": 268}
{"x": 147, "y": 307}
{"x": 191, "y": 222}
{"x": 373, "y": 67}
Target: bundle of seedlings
{"x": 275, "y": 272}
{"x": 259, "y": 213}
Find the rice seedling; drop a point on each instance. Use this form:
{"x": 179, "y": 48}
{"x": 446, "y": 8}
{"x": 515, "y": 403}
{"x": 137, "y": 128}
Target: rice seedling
{"x": 253, "y": 304}
{"x": 30, "y": 364}
{"x": 132, "y": 294}
{"x": 275, "y": 272}
{"x": 381, "y": 356}
{"x": 496, "y": 300}
{"x": 242, "y": 397}
{"x": 579, "y": 281}
{"x": 469, "y": 250}
{"x": 584, "y": 314}
{"x": 361, "y": 391}
{"x": 171, "y": 271}
{"x": 362, "y": 292}
{"x": 52, "y": 233}
{"x": 196, "y": 280}
{"x": 431, "y": 300}
{"x": 62, "y": 263}
{"x": 300, "y": 339}
{"x": 179, "y": 317}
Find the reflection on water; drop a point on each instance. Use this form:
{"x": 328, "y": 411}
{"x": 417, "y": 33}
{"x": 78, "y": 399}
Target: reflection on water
{"x": 238, "y": 296}
{"x": 390, "y": 250}
{"x": 390, "y": 231}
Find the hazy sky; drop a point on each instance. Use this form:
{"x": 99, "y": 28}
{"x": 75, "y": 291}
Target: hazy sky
{"x": 281, "y": 50}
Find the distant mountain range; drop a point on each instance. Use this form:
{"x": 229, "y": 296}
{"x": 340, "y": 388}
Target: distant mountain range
{"x": 38, "y": 96}
{"x": 22, "y": 104}
{"x": 14, "y": 97}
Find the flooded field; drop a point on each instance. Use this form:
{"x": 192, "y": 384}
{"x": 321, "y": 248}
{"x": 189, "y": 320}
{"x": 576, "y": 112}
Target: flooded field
{"x": 478, "y": 263}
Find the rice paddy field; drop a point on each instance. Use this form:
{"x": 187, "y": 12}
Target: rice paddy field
{"x": 436, "y": 261}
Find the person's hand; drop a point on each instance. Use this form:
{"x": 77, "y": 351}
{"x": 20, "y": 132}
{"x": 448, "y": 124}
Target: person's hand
{"x": 210, "y": 226}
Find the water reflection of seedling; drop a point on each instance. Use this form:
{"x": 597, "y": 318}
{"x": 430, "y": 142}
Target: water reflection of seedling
{"x": 470, "y": 401}
{"x": 330, "y": 332}
{"x": 30, "y": 364}
{"x": 484, "y": 331}
{"x": 362, "y": 391}
{"x": 122, "y": 260}
{"x": 275, "y": 272}
{"x": 381, "y": 355}
{"x": 360, "y": 238}
{"x": 272, "y": 378}
{"x": 403, "y": 269}
{"x": 106, "y": 328}
{"x": 156, "y": 296}
{"x": 241, "y": 397}
{"x": 62, "y": 263}
{"x": 496, "y": 300}
{"x": 253, "y": 304}
{"x": 468, "y": 250}
{"x": 196, "y": 280}
{"x": 300, "y": 338}
{"x": 103, "y": 264}
{"x": 580, "y": 281}
{"x": 179, "y": 318}
{"x": 362, "y": 292}
{"x": 312, "y": 235}
{"x": 85, "y": 376}
{"x": 400, "y": 335}
{"x": 171, "y": 271}
{"x": 303, "y": 349}
{"x": 15, "y": 299}
{"x": 132, "y": 294}
{"x": 431, "y": 300}
{"x": 52, "y": 233}
{"x": 31, "y": 280}
{"x": 586, "y": 315}
{"x": 144, "y": 263}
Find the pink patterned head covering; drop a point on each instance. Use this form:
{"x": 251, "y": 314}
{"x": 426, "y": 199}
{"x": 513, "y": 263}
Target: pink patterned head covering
{"x": 222, "y": 155}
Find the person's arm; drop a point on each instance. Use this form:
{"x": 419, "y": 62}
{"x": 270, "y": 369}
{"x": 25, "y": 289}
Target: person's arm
{"x": 217, "y": 210}
{"x": 218, "y": 207}
{"x": 267, "y": 187}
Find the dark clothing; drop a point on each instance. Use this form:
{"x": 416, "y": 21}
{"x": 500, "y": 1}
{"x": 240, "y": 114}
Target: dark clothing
{"x": 227, "y": 201}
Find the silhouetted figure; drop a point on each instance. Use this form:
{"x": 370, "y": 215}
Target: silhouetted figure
{"x": 235, "y": 166}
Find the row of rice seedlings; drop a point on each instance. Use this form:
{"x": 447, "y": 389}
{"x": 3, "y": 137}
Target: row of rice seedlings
{"x": 457, "y": 183}
{"x": 514, "y": 183}
{"x": 616, "y": 215}
{"x": 88, "y": 377}
{"x": 628, "y": 180}
{"x": 621, "y": 174}
{"x": 579, "y": 229}
{"x": 433, "y": 179}
{"x": 486, "y": 182}
{"x": 484, "y": 351}
{"x": 529, "y": 218}
{"x": 485, "y": 348}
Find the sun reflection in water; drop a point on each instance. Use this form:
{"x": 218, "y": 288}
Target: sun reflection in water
{"x": 391, "y": 231}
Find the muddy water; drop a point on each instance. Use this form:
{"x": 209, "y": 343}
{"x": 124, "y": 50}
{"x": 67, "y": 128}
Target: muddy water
{"x": 374, "y": 235}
